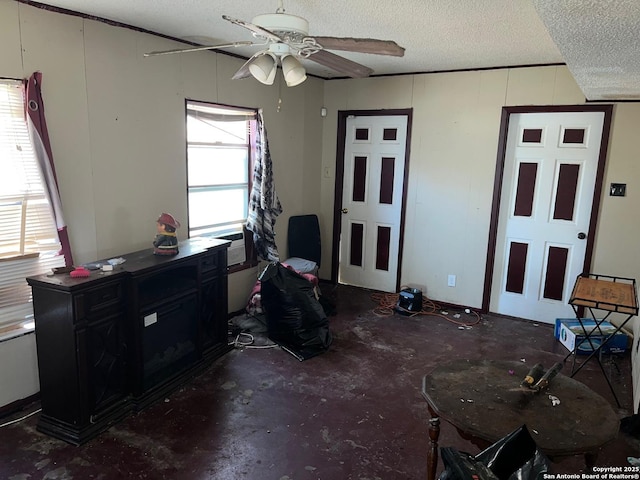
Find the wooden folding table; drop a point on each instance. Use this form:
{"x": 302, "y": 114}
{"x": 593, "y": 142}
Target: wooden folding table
{"x": 608, "y": 294}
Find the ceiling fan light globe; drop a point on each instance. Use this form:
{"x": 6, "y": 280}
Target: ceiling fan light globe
{"x": 264, "y": 68}
{"x": 293, "y": 71}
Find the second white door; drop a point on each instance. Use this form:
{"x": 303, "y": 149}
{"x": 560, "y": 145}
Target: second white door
{"x": 550, "y": 170}
{"x": 374, "y": 164}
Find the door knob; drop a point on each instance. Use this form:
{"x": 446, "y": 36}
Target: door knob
{"x": 345, "y": 210}
{"x": 582, "y": 235}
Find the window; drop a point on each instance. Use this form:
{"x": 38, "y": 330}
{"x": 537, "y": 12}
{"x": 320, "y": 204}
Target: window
{"x": 29, "y": 242}
{"x": 220, "y": 143}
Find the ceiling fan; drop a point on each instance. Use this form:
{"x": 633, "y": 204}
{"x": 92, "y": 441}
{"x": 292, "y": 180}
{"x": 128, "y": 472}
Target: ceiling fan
{"x": 285, "y": 39}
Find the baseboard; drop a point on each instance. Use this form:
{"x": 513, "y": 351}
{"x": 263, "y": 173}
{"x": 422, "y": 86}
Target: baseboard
{"x": 19, "y": 405}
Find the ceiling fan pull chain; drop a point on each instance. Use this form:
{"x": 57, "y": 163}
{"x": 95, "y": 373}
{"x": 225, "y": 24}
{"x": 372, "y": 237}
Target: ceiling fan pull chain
{"x": 279, "y": 96}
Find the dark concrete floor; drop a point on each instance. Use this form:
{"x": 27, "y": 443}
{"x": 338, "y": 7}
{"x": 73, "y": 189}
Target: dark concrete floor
{"x": 354, "y": 412}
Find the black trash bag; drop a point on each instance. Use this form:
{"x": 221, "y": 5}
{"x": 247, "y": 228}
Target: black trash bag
{"x": 463, "y": 466}
{"x": 513, "y": 457}
{"x": 295, "y": 318}
{"x": 631, "y": 425}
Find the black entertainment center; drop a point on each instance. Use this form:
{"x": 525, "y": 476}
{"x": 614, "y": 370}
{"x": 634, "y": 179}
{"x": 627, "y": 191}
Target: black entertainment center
{"x": 116, "y": 341}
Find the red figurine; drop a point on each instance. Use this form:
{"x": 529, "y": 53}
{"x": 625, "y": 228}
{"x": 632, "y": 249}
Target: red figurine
{"x": 166, "y": 241}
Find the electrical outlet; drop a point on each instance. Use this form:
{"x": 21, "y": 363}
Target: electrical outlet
{"x": 451, "y": 281}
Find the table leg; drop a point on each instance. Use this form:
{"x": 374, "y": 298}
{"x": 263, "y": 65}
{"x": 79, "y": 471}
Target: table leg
{"x": 432, "y": 453}
{"x": 590, "y": 460}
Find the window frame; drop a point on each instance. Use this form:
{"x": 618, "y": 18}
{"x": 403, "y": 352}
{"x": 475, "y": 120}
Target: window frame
{"x": 251, "y": 259}
{"x": 42, "y": 253}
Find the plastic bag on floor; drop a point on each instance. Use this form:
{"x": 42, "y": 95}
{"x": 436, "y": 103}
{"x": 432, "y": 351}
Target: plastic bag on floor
{"x": 295, "y": 317}
{"x": 462, "y": 466}
{"x": 513, "y": 457}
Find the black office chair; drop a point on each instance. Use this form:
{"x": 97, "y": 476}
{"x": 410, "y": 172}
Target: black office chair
{"x": 303, "y": 244}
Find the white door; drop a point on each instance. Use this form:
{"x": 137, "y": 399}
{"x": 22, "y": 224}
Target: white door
{"x": 374, "y": 164}
{"x": 550, "y": 170}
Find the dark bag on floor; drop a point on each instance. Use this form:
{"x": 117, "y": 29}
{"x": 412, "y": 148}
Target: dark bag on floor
{"x": 462, "y": 466}
{"x": 513, "y": 457}
{"x": 295, "y": 318}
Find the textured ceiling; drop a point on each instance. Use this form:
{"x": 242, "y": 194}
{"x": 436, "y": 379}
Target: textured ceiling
{"x": 600, "y": 43}
{"x": 598, "y": 40}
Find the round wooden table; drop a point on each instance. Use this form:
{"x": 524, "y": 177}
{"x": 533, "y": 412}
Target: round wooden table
{"x": 484, "y": 401}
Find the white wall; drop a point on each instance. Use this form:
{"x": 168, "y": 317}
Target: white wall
{"x": 19, "y": 369}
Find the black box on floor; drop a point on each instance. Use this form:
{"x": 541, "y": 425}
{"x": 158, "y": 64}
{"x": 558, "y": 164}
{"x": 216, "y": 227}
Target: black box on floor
{"x": 409, "y": 300}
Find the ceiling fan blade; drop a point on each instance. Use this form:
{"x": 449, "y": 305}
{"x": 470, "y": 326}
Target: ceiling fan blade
{"x": 362, "y": 45}
{"x": 197, "y": 49}
{"x": 243, "y": 71}
{"x": 340, "y": 64}
{"x": 255, "y": 29}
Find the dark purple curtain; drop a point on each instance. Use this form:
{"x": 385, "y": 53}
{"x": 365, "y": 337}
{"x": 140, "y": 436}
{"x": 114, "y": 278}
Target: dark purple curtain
{"x": 42, "y": 148}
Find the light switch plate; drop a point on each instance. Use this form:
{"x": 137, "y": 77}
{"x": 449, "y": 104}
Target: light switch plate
{"x": 618, "y": 190}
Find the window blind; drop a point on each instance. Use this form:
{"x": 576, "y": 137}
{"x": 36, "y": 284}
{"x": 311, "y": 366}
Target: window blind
{"x": 29, "y": 242}
{"x": 219, "y": 151}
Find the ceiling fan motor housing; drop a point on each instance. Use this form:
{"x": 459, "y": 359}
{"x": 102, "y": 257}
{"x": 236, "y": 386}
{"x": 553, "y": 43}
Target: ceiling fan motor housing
{"x": 279, "y": 49}
{"x": 282, "y": 23}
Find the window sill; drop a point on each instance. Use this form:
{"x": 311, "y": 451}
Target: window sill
{"x": 15, "y": 331}
{"x": 19, "y": 256}
{"x": 241, "y": 266}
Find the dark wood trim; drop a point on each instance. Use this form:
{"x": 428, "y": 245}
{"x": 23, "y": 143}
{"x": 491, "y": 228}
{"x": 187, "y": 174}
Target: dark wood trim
{"x": 19, "y": 405}
{"x": 405, "y": 187}
{"x": 498, "y": 179}
{"x": 597, "y": 190}
{"x": 341, "y": 135}
{"x": 495, "y": 209}
{"x": 458, "y": 70}
{"x": 614, "y": 100}
{"x": 337, "y": 195}
{"x": 114, "y": 23}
